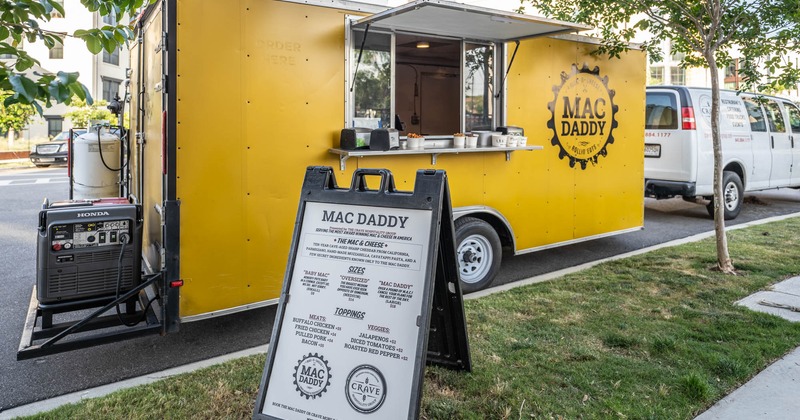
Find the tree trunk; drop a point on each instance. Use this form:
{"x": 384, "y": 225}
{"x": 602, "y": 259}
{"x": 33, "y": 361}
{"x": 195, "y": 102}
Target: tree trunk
{"x": 724, "y": 262}
{"x": 11, "y": 134}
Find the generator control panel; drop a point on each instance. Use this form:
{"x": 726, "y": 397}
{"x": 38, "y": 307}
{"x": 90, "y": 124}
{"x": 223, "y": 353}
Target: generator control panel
{"x": 87, "y": 250}
{"x": 92, "y": 234}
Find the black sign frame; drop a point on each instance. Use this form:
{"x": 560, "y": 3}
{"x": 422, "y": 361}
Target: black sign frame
{"x": 445, "y": 342}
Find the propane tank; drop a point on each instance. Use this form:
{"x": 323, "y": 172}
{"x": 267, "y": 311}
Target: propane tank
{"x": 96, "y": 164}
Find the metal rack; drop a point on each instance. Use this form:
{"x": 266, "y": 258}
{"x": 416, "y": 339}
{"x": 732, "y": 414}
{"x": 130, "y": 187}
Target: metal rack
{"x": 434, "y": 152}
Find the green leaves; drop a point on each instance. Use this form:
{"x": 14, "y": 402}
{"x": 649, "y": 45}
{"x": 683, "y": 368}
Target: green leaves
{"x": 760, "y": 32}
{"x": 107, "y": 38}
{"x": 13, "y": 115}
{"x": 23, "y": 86}
{"x": 23, "y": 21}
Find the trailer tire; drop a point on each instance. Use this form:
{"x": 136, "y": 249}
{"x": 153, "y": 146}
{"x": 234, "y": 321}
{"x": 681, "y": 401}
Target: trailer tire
{"x": 733, "y": 193}
{"x": 478, "y": 251}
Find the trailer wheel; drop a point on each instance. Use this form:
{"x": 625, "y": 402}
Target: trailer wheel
{"x": 478, "y": 253}
{"x": 733, "y": 193}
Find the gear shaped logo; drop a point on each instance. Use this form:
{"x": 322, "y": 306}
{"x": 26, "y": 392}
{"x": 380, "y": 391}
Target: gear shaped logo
{"x": 312, "y": 376}
{"x": 583, "y": 116}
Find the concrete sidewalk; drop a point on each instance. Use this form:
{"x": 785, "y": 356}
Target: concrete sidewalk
{"x": 775, "y": 392}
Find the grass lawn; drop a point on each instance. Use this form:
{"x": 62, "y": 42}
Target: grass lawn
{"x": 652, "y": 336}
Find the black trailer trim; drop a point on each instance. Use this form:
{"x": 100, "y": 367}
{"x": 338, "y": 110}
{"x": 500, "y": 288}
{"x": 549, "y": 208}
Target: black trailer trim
{"x": 172, "y": 226}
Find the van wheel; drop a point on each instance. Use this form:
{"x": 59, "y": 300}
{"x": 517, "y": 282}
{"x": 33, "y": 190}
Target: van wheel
{"x": 478, "y": 252}
{"x": 733, "y": 193}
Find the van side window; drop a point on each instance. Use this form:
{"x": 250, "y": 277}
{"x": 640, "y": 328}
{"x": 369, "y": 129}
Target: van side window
{"x": 661, "y": 112}
{"x": 794, "y": 117}
{"x": 755, "y": 115}
{"x": 775, "y": 117}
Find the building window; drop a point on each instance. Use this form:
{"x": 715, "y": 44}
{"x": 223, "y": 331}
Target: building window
{"x": 57, "y": 52}
{"x": 110, "y": 89}
{"x": 110, "y": 19}
{"x": 677, "y": 76}
{"x": 9, "y": 41}
{"x": 111, "y": 58}
{"x": 54, "y": 125}
{"x": 656, "y": 75}
{"x": 732, "y": 78}
{"x": 55, "y": 13}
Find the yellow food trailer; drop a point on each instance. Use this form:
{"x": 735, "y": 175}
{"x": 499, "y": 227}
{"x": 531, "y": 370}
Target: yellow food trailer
{"x": 230, "y": 102}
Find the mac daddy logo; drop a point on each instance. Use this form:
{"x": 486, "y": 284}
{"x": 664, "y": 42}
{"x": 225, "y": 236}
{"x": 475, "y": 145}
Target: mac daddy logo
{"x": 583, "y": 116}
{"x": 312, "y": 376}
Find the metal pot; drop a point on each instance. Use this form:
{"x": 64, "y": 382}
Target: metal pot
{"x": 485, "y": 137}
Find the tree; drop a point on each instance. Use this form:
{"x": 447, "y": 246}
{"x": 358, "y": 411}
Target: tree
{"x": 82, "y": 114}
{"x": 13, "y": 117}
{"x": 708, "y": 32}
{"x": 19, "y": 21}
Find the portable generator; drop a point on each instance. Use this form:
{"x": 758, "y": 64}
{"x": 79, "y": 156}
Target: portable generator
{"x": 80, "y": 249}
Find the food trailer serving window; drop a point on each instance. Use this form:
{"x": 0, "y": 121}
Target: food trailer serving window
{"x": 434, "y": 67}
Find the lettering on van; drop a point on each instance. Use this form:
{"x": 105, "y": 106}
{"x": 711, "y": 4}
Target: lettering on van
{"x": 732, "y": 114}
{"x": 583, "y": 116}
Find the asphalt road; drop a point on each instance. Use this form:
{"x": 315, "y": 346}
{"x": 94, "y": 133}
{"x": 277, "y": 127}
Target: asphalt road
{"x": 22, "y": 382}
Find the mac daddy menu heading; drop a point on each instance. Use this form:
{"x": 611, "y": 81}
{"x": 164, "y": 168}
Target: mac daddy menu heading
{"x": 349, "y": 333}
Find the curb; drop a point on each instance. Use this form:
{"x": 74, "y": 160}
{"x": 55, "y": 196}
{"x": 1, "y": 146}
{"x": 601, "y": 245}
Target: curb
{"x": 16, "y": 163}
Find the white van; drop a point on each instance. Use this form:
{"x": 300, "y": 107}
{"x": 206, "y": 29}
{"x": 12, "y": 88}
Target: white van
{"x": 759, "y": 150}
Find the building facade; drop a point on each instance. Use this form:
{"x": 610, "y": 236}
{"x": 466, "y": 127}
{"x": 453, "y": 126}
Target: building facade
{"x": 669, "y": 72}
{"x": 103, "y": 74}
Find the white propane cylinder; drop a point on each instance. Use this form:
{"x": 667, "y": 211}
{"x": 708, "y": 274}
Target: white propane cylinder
{"x": 90, "y": 176}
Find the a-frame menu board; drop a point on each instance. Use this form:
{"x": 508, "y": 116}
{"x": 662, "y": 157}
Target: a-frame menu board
{"x": 352, "y": 332}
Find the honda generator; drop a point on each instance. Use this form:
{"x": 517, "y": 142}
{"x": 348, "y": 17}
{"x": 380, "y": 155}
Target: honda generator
{"x": 88, "y": 249}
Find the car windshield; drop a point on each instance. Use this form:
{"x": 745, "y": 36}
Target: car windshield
{"x": 64, "y": 135}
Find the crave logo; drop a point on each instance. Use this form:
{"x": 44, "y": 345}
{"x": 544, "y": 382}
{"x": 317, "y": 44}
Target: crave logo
{"x": 312, "y": 376}
{"x": 582, "y": 116}
{"x": 365, "y": 389}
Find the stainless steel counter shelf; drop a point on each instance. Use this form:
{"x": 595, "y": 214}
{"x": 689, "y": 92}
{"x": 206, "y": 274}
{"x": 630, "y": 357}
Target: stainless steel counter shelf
{"x": 434, "y": 152}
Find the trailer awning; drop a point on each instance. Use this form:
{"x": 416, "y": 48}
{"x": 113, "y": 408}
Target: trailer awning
{"x": 447, "y": 18}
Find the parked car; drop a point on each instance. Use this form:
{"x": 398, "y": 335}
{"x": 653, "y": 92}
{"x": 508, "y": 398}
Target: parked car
{"x": 55, "y": 151}
{"x": 760, "y": 144}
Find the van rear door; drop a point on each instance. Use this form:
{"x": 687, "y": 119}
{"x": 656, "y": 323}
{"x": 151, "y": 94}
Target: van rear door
{"x": 780, "y": 145}
{"x": 793, "y": 112}
{"x": 670, "y": 152}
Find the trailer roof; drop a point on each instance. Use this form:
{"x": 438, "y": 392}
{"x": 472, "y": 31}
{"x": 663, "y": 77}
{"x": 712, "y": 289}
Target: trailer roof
{"x": 447, "y": 18}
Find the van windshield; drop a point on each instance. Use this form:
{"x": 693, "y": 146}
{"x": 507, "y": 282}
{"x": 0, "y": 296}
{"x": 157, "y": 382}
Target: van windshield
{"x": 661, "y": 112}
